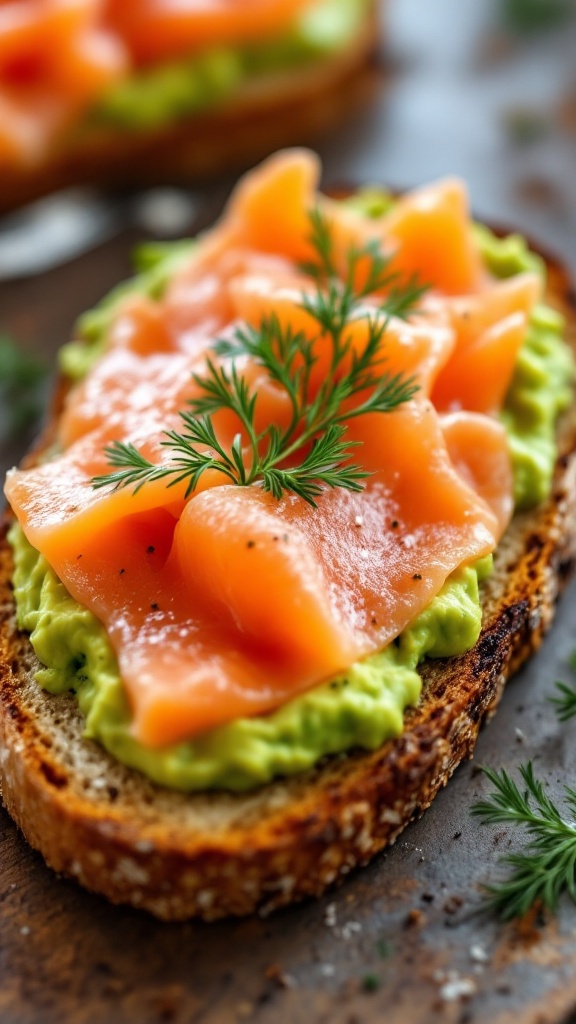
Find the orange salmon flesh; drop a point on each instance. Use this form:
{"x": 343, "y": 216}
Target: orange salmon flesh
{"x": 58, "y": 57}
{"x": 227, "y": 602}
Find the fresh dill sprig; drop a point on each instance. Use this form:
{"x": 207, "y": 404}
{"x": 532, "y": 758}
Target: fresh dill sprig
{"x": 533, "y": 16}
{"x": 311, "y": 452}
{"x": 546, "y": 867}
{"x": 565, "y": 702}
{"x": 21, "y": 381}
{"x": 367, "y": 272}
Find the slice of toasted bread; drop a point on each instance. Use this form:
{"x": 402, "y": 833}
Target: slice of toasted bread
{"x": 215, "y": 854}
{"x": 274, "y": 110}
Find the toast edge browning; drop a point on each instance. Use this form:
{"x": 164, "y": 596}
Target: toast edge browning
{"x": 295, "y": 837}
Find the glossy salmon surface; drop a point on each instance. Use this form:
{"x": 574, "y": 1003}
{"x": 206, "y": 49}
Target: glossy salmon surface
{"x": 156, "y": 29}
{"x": 58, "y": 57}
{"x": 227, "y": 601}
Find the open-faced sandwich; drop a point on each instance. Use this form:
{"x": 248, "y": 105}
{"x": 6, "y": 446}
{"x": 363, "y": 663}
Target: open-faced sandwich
{"x": 145, "y": 91}
{"x": 305, "y": 502}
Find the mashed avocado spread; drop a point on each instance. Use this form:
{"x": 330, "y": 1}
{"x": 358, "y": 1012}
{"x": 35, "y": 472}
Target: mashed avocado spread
{"x": 175, "y": 89}
{"x": 361, "y": 708}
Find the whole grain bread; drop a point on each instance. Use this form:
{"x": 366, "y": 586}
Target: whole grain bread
{"x": 215, "y": 854}
{"x": 273, "y": 110}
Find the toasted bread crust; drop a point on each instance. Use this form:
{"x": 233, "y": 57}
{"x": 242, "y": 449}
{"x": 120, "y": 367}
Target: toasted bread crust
{"x": 283, "y": 109}
{"x": 211, "y": 855}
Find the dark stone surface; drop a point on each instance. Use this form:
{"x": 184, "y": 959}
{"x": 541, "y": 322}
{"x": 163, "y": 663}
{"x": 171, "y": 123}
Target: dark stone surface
{"x": 405, "y": 933}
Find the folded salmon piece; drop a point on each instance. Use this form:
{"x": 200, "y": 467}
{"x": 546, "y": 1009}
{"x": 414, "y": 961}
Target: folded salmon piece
{"x": 56, "y": 58}
{"x": 227, "y": 602}
{"x": 59, "y": 57}
{"x": 156, "y": 29}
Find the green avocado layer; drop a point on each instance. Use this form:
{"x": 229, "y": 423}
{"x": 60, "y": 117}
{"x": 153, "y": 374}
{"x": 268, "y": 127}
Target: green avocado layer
{"x": 365, "y": 706}
{"x": 362, "y": 708}
{"x": 175, "y": 89}
{"x": 541, "y": 387}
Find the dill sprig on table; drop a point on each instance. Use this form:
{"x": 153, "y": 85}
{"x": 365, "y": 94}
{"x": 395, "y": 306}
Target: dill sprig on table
{"x": 312, "y": 452}
{"x": 546, "y": 866}
{"x": 22, "y": 377}
{"x": 565, "y": 702}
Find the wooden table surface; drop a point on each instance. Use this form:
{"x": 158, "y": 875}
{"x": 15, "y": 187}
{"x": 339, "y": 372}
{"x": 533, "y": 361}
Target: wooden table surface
{"x": 404, "y": 940}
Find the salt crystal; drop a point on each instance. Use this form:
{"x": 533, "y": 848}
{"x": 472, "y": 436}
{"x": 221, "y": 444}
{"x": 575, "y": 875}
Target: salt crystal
{"x": 459, "y": 988}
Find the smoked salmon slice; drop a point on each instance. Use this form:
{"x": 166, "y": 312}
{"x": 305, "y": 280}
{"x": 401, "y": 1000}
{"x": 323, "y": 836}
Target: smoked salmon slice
{"x": 489, "y": 328}
{"x": 55, "y": 59}
{"x": 257, "y": 601}
{"x": 58, "y": 57}
{"x": 157, "y": 29}
{"x": 226, "y": 601}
